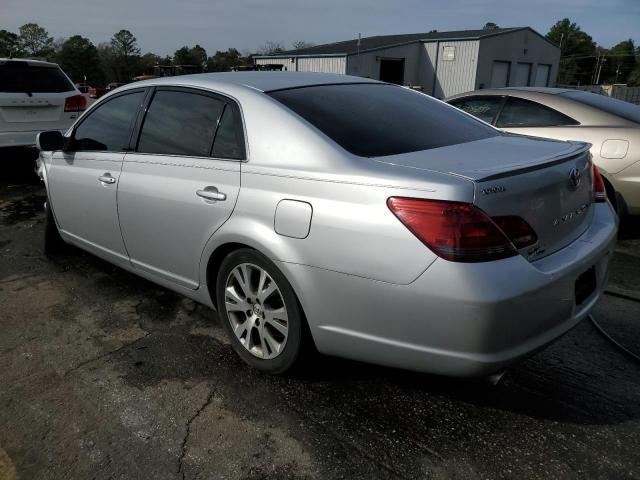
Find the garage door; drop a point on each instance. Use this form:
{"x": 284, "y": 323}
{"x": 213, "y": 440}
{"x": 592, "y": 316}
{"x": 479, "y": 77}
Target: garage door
{"x": 500, "y": 74}
{"x": 523, "y": 72}
{"x": 542, "y": 75}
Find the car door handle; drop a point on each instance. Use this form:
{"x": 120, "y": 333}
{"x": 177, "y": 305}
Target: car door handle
{"x": 211, "y": 193}
{"x": 107, "y": 178}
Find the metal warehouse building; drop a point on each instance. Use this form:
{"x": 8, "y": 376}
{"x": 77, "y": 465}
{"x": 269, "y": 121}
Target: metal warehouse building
{"x": 440, "y": 63}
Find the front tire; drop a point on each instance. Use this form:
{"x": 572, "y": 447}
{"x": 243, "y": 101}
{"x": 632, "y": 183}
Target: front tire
{"x": 260, "y": 312}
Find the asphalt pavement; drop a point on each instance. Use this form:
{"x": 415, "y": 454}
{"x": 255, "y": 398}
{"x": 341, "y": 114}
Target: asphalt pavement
{"x": 104, "y": 375}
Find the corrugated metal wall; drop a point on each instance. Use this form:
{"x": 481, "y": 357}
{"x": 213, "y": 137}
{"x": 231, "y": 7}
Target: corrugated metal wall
{"x": 308, "y": 64}
{"x": 457, "y": 75}
{"x": 367, "y": 64}
{"x": 288, "y": 64}
{"x": 519, "y": 47}
{"x": 323, "y": 64}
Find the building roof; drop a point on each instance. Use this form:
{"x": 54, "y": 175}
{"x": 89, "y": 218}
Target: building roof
{"x": 349, "y": 47}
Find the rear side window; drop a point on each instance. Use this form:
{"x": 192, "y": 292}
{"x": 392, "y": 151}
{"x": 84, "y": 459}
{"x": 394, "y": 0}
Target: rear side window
{"x": 20, "y": 77}
{"x": 229, "y": 141}
{"x": 485, "y": 108}
{"x": 518, "y": 112}
{"x": 108, "y": 127}
{"x": 373, "y": 120}
{"x": 180, "y": 123}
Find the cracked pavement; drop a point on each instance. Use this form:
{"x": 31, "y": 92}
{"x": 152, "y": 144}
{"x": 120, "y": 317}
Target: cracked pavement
{"x": 105, "y": 375}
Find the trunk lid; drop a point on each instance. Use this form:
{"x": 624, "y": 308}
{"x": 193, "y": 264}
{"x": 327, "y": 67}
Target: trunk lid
{"x": 547, "y": 183}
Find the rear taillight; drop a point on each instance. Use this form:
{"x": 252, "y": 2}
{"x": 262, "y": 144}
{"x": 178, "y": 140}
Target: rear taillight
{"x": 77, "y": 103}
{"x": 599, "y": 190}
{"x": 455, "y": 231}
{"x": 517, "y": 229}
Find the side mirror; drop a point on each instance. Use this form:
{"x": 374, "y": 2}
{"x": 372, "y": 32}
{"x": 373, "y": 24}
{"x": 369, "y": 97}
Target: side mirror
{"x": 49, "y": 141}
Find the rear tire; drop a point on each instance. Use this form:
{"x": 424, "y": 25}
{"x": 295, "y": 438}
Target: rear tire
{"x": 260, "y": 312}
{"x": 53, "y": 242}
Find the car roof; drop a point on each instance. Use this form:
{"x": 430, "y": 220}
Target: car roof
{"x": 261, "y": 81}
{"x": 32, "y": 62}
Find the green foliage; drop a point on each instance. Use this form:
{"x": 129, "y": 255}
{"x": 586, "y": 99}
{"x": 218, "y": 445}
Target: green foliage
{"x": 123, "y": 55}
{"x": 9, "y": 44}
{"x": 577, "y": 50}
{"x": 223, "y": 61}
{"x": 191, "y": 56}
{"x": 35, "y": 41}
{"x": 78, "y": 57}
{"x": 621, "y": 61}
{"x": 146, "y": 63}
{"x": 490, "y": 26}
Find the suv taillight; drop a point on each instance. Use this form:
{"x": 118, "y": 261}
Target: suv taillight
{"x": 459, "y": 232}
{"x": 599, "y": 190}
{"x": 77, "y": 103}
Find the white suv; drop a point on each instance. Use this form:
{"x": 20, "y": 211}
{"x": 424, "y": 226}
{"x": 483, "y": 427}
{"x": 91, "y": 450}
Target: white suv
{"x": 35, "y": 96}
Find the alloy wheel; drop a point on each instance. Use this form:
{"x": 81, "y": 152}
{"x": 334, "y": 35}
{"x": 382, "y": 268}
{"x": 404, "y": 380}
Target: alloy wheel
{"x": 256, "y": 310}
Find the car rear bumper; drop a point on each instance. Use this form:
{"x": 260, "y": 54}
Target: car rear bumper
{"x": 22, "y": 139}
{"x": 460, "y": 319}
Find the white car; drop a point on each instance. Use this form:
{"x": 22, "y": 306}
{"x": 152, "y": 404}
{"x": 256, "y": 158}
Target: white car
{"x": 35, "y": 96}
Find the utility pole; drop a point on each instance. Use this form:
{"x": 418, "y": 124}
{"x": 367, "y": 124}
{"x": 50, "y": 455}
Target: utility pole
{"x": 600, "y": 70}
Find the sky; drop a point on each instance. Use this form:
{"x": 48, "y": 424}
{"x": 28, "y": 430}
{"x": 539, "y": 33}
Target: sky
{"x": 163, "y": 26}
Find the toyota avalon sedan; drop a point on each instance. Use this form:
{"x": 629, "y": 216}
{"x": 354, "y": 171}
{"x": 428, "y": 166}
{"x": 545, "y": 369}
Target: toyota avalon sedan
{"x": 336, "y": 213}
{"x": 611, "y": 126}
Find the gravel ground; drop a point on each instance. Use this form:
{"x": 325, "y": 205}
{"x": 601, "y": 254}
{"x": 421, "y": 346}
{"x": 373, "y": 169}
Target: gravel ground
{"x": 104, "y": 375}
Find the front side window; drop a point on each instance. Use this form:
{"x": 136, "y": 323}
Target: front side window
{"x": 484, "y": 108}
{"x": 180, "y": 123}
{"x": 108, "y": 127}
{"x": 519, "y": 112}
{"x": 374, "y": 120}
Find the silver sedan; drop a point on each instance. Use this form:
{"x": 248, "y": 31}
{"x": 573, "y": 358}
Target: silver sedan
{"x": 336, "y": 213}
{"x": 611, "y": 126}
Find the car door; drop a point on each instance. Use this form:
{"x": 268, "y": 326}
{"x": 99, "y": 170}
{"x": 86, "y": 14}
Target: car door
{"x": 526, "y": 117}
{"x": 83, "y": 179}
{"x": 181, "y": 182}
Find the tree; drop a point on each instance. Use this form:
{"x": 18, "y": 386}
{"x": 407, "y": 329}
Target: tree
{"x": 577, "y": 52}
{"x": 79, "y": 58}
{"x": 621, "y": 61}
{"x": 269, "y": 47}
{"x": 191, "y": 56}
{"x": 146, "y": 63}
{"x": 301, "y": 44}
{"x": 490, "y": 26}
{"x": 107, "y": 62}
{"x": 35, "y": 41}
{"x": 9, "y": 44}
{"x": 125, "y": 52}
{"x": 223, "y": 61}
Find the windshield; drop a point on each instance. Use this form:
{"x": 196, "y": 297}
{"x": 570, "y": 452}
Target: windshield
{"x": 625, "y": 110}
{"x": 20, "y": 77}
{"x": 375, "y": 119}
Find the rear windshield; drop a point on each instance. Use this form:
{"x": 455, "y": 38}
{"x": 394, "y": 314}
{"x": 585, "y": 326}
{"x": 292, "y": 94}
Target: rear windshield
{"x": 375, "y": 120}
{"x": 20, "y": 77}
{"x": 625, "y": 110}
